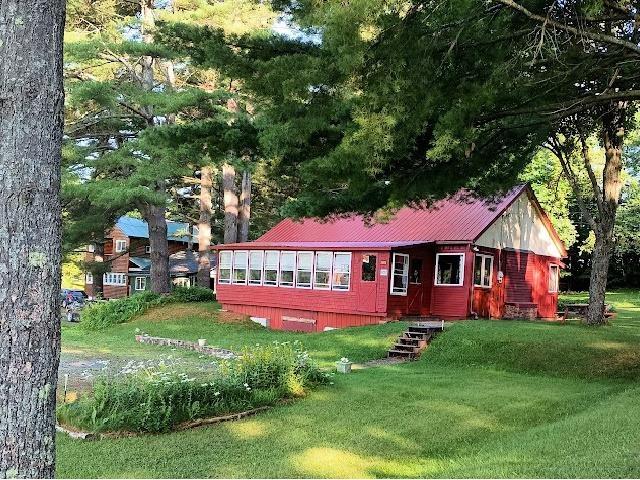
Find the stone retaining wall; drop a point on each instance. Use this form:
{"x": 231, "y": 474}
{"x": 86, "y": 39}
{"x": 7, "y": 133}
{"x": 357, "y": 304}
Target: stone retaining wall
{"x": 173, "y": 342}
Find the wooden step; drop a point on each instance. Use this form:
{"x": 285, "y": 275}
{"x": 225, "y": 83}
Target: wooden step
{"x": 401, "y": 353}
{"x": 402, "y": 346}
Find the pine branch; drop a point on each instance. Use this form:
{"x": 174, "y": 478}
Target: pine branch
{"x": 595, "y": 36}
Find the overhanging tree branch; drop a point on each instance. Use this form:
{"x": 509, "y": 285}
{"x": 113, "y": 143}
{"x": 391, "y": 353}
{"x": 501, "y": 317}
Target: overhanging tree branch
{"x": 595, "y": 36}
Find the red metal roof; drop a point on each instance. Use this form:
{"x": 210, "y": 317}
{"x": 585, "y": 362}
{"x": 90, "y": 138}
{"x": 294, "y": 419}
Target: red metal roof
{"x": 461, "y": 217}
{"x": 349, "y": 246}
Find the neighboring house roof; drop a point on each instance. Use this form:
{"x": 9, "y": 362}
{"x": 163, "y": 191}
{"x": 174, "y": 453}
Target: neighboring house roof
{"x": 176, "y": 231}
{"x": 180, "y": 263}
{"x": 460, "y": 218}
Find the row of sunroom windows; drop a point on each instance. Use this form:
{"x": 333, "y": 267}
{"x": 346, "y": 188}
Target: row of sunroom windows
{"x": 289, "y": 269}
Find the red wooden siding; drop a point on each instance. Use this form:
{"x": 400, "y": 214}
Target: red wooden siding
{"x": 526, "y": 280}
{"x": 329, "y": 308}
{"x": 453, "y": 302}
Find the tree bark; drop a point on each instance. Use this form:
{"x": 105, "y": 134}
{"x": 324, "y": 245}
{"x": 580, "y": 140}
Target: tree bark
{"x": 204, "y": 227}
{"x": 613, "y": 141}
{"x": 230, "y": 204}
{"x": 244, "y": 212}
{"x": 31, "y": 103}
{"x": 98, "y": 279}
{"x": 155, "y": 216}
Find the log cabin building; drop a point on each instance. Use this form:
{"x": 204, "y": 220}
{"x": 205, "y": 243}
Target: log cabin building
{"x": 463, "y": 257}
{"x": 128, "y": 251}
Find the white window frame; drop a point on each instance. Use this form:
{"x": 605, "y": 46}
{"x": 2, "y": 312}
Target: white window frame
{"x": 220, "y": 279}
{"x": 405, "y": 274}
{"x": 309, "y": 270}
{"x": 335, "y": 287}
{"x": 484, "y": 256}
{"x": 147, "y": 249}
{"x": 557, "y": 277}
{"x": 264, "y": 268}
{"x": 119, "y": 246}
{"x": 88, "y": 278}
{"x": 180, "y": 281}
{"x": 246, "y": 267}
{"x": 260, "y": 268}
{"x": 114, "y": 279}
{"x": 91, "y": 248}
{"x": 295, "y": 264}
{"x": 140, "y": 282}
{"x": 322, "y": 286}
{"x": 462, "y": 261}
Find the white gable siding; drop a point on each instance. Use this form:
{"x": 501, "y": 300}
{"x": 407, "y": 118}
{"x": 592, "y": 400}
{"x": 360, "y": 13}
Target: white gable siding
{"x": 521, "y": 228}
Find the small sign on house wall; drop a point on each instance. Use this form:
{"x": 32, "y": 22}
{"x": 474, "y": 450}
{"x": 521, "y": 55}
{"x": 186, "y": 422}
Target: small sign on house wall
{"x": 383, "y": 272}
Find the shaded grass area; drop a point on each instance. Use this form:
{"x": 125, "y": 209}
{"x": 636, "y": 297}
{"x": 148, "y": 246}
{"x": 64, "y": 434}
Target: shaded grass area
{"x": 191, "y": 321}
{"x": 487, "y": 399}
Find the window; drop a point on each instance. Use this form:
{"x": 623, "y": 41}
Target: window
{"x": 399, "y": 274}
{"x": 255, "y": 267}
{"x": 147, "y": 249}
{"x": 322, "y": 277}
{"x": 182, "y": 282}
{"x": 449, "y": 269}
{"x": 554, "y": 272}
{"x": 287, "y": 269}
{"x": 141, "y": 283}
{"x": 91, "y": 248}
{"x": 482, "y": 270}
{"x": 341, "y": 271}
{"x": 240, "y": 258}
{"x": 115, "y": 279}
{"x": 271, "y": 264}
{"x": 225, "y": 267}
{"x": 415, "y": 272}
{"x": 368, "y": 268}
{"x": 121, "y": 246}
{"x": 88, "y": 278}
{"x": 305, "y": 270}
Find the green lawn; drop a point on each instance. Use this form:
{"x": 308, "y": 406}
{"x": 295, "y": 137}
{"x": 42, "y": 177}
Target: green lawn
{"x": 487, "y": 399}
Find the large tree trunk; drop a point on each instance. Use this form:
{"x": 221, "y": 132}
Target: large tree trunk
{"x": 155, "y": 216}
{"x": 31, "y": 102}
{"x": 244, "y": 213}
{"x": 230, "y": 204}
{"x": 613, "y": 142}
{"x": 204, "y": 227}
{"x": 98, "y": 279}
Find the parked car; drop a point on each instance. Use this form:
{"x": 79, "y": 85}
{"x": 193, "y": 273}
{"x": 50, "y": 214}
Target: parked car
{"x": 70, "y": 296}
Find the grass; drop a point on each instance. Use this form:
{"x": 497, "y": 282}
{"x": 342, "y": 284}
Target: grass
{"x": 487, "y": 399}
{"x": 190, "y": 321}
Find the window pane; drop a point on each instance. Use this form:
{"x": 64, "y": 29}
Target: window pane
{"x": 477, "y": 270}
{"x": 341, "y": 271}
{"x": 270, "y": 277}
{"x": 271, "y": 259}
{"x": 240, "y": 259}
{"x": 225, "y": 259}
{"x": 369, "y": 268}
{"x": 305, "y": 266}
{"x": 400, "y": 274}
{"x": 323, "y": 271}
{"x": 416, "y": 270}
{"x": 255, "y": 260}
{"x": 449, "y": 267}
{"x": 486, "y": 274}
{"x": 287, "y": 268}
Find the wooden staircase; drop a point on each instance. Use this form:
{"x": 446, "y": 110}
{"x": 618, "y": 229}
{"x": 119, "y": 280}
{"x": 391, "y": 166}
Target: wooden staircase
{"x": 415, "y": 339}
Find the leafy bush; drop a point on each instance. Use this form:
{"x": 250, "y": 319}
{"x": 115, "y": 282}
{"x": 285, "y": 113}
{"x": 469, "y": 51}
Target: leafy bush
{"x": 193, "y": 294}
{"x": 156, "y": 399}
{"x": 100, "y": 315}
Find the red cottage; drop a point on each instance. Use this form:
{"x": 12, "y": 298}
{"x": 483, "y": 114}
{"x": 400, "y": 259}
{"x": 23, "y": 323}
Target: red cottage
{"x": 464, "y": 257}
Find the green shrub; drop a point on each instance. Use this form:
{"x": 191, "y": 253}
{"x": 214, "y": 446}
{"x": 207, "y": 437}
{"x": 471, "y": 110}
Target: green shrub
{"x": 100, "y": 315}
{"x": 193, "y": 294}
{"x": 156, "y": 399}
